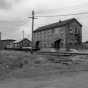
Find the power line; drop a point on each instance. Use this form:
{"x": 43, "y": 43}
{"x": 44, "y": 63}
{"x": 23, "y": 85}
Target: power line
{"x": 64, "y": 9}
{"x": 39, "y": 25}
{"x": 14, "y": 26}
{"x": 64, "y": 15}
{"x": 17, "y": 28}
{"x": 11, "y": 35}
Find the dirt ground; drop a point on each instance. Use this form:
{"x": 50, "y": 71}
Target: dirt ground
{"x": 23, "y": 70}
{"x": 74, "y": 81}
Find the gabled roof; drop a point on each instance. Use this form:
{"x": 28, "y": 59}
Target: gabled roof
{"x": 17, "y": 41}
{"x": 60, "y": 23}
{"x": 25, "y": 39}
{"x": 8, "y": 40}
{"x": 20, "y": 40}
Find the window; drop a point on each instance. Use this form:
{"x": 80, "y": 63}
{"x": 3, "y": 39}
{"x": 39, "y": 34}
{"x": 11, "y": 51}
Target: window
{"x": 45, "y": 33}
{"x": 27, "y": 45}
{"x": 22, "y": 44}
{"x": 45, "y": 43}
{"x": 76, "y": 42}
{"x": 62, "y": 41}
{"x": 41, "y": 43}
{"x": 48, "y": 33}
{"x": 61, "y": 30}
{"x": 76, "y": 30}
{"x": 52, "y": 44}
{"x": 40, "y": 34}
{"x": 71, "y": 41}
{"x": 52, "y": 32}
{"x": 71, "y": 29}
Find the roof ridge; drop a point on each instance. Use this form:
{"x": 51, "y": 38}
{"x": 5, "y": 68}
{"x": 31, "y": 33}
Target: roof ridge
{"x": 53, "y": 24}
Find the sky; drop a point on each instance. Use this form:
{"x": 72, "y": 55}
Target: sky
{"x": 14, "y": 13}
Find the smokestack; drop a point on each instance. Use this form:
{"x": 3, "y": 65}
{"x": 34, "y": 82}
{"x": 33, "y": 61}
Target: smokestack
{"x": 0, "y": 42}
{"x": 0, "y": 35}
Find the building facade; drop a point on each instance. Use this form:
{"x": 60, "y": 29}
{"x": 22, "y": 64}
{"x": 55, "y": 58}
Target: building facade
{"x": 63, "y": 34}
{"x": 85, "y": 45}
{"x": 4, "y": 43}
{"x": 25, "y": 43}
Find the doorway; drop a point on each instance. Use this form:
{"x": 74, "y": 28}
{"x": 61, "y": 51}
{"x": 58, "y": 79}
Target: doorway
{"x": 37, "y": 45}
{"x": 57, "y": 44}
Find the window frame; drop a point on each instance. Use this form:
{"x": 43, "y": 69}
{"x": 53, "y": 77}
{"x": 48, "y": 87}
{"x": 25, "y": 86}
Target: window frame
{"x": 61, "y": 31}
{"x": 45, "y": 33}
{"x": 71, "y": 30}
{"x": 45, "y": 44}
{"x": 48, "y": 33}
{"x": 52, "y": 32}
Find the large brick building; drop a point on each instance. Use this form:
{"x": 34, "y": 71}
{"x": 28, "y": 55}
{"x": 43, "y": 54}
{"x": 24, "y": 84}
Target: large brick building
{"x": 63, "y": 34}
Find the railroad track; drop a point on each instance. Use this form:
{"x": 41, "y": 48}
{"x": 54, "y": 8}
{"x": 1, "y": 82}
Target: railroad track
{"x": 62, "y": 53}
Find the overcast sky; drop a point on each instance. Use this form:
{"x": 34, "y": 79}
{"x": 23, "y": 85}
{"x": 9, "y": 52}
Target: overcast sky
{"x": 13, "y": 13}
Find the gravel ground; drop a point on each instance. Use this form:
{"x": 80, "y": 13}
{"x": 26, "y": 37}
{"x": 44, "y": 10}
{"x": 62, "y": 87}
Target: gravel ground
{"x": 23, "y": 70}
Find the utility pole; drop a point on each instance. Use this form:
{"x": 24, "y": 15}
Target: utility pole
{"x": 23, "y": 34}
{"x": 32, "y": 30}
{"x": 28, "y": 36}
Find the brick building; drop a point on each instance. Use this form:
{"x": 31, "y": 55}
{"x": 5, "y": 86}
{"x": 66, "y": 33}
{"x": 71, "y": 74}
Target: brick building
{"x": 61, "y": 35}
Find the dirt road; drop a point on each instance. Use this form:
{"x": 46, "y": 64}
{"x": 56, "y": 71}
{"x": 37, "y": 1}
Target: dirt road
{"x": 73, "y": 81}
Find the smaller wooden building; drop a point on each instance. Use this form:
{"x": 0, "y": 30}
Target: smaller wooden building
{"x": 25, "y": 43}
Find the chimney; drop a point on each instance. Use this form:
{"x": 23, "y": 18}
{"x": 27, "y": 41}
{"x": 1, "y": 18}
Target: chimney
{"x": 59, "y": 21}
{"x": 0, "y": 35}
{"x": 0, "y": 42}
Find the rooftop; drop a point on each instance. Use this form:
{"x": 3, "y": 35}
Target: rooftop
{"x": 8, "y": 40}
{"x": 17, "y": 41}
{"x": 60, "y": 23}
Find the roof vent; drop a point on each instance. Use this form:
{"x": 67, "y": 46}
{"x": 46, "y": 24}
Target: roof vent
{"x": 59, "y": 21}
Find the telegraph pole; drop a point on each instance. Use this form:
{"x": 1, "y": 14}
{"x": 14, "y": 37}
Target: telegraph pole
{"x": 23, "y": 34}
{"x": 32, "y": 30}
